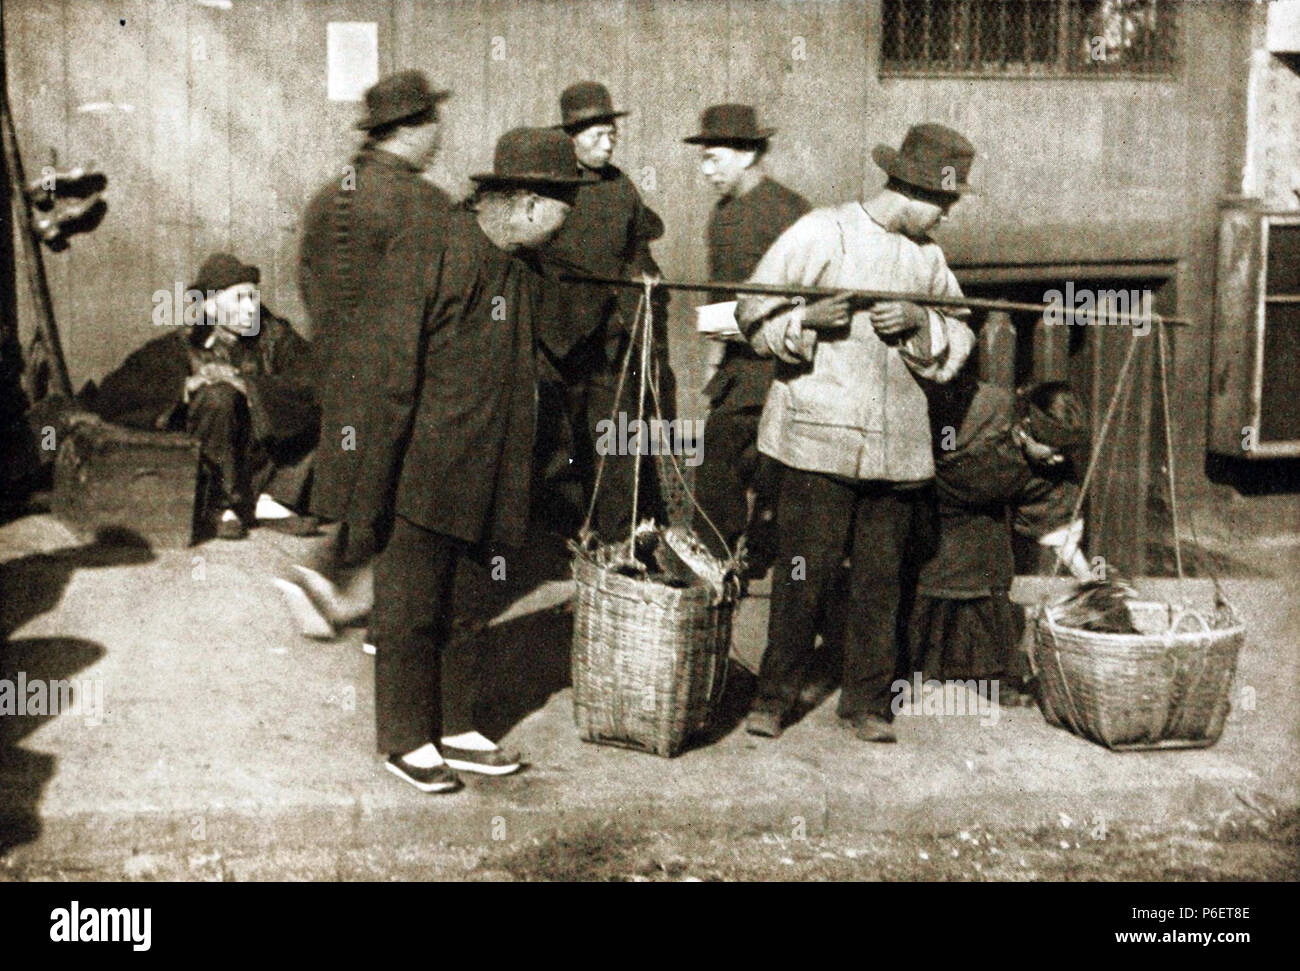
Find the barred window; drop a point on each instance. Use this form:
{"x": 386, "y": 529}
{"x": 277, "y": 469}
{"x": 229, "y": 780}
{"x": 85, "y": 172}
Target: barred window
{"x": 1029, "y": 38}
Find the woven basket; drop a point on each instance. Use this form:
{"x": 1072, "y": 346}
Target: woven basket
{"x": 649, "y": 660}
{"x": 1167, "y": 687}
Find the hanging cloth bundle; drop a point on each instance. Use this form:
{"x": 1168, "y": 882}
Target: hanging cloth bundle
{"x": 1165, "y": 687}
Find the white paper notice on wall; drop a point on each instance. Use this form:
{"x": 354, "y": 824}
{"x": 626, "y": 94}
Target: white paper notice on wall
{"x": 352, "y": 58}
{"x": 1284, "y": 27}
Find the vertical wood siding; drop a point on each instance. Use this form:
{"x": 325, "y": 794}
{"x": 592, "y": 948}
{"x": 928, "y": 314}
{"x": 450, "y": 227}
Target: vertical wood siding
{"x": 223, "y": 150}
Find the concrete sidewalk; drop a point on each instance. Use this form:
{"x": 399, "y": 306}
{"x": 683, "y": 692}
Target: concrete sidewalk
{"x": 223, "y": 732}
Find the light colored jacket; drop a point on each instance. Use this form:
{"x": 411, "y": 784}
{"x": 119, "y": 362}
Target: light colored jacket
{"x": 857, "y": 411}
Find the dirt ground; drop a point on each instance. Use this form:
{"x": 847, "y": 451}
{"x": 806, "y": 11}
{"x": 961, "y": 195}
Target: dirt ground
{"x": 1236, "y": 849}
{"x": 230, "y": 749}
{"x": 1250, "y": 845}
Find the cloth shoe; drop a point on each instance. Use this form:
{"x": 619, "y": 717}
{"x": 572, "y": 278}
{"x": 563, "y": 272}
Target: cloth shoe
{"x": 496, "y": 761}
{"x": 230, "y": 526}
{"x": 310, "y": 621}
{"x": 340, "y": 608}
{"x": 292, "y": 525}
{"x": 764, "y": 723}
{"x": 870, "y": 728}
{"x": 439, "y": 778}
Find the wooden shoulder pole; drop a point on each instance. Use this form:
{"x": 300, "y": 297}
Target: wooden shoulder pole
{"x": 877, "y": 296}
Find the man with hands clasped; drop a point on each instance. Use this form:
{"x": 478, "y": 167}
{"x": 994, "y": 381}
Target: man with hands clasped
{"x": 847, "y": 418}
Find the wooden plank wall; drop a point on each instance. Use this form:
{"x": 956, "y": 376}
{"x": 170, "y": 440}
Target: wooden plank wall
{"x": 211, "y": 120}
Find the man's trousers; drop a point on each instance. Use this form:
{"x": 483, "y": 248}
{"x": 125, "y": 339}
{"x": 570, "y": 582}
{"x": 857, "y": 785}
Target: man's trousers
{"x": 730, "y": 466}
{"x": 218, "y": 416}
{"x": 418, "y": 699}
{"x": 823, "y": 520}
{"x": 239, "y": 466}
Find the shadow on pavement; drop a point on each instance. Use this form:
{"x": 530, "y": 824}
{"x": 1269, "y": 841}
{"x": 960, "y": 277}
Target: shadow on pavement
{"x": 519, "y": 664}
{"x": 29, "y": 586}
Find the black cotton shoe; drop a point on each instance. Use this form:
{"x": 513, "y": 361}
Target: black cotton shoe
{"x": 230, "y": 527}
{"x": 440, "y": 778}
{"x": 294, "y": 525}
{"x": 493, "y": 762}
{"x": 870, "y": 728}
{"x": 764, "y": 723}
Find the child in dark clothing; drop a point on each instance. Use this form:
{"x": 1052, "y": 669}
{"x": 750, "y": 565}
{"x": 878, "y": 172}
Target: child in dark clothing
{"x": 999, "y": 456}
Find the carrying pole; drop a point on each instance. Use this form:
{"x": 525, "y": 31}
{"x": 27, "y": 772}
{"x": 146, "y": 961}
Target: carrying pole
{"x": 877, "y": 296}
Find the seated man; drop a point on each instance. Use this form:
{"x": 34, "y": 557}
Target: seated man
{"x": 238, "y": 380}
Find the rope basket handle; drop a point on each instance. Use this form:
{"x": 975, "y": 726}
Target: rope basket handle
{"x": 584, "y": 534}
{"x": 1122, "y": 385}
{"x": 642, "y": 330}
{"x": 1178, "y": 615}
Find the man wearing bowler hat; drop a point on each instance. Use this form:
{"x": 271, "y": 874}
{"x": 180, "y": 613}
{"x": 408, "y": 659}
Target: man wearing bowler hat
{"x": 350, "y": 224}
{"x": 459, "y": 329}
{"x": 584, "y": 337}
{"x": 751, "y": 212}
{"x": 239, "y": 379}
{"x": 848, "y": 421}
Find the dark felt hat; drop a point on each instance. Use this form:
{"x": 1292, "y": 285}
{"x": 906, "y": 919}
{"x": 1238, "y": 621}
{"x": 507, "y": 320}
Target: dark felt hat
{"x": 932, "y": 157}
{"x": 221, "y": 270}
{"x": 397, "y": 96}
{"x": 730, "y": 124}
{"x": 586, "y": 103}
{"x": 535, "y": 156}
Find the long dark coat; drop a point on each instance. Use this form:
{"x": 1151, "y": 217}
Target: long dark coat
{"x": 348, "y": 232}
{"x": 607, "y": 233}
{"x": 468, "y": 372}
{"x": 147, "y": 389}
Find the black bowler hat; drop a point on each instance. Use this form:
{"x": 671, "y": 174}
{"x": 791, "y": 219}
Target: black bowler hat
{"x": 586, "y": 103}
{"x": 221, "y": 270}
{"x": 397, "y": 96}
{"x": 535, "y": 156}
{"x": 729, "y": 124}
{"x": 932, "y": 157}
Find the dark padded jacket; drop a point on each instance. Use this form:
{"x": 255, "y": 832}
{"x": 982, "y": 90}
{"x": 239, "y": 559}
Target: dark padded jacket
{"x": 147, "y": 389}
{"x": 607, "y": 233}
{"x": 740, "y": 231}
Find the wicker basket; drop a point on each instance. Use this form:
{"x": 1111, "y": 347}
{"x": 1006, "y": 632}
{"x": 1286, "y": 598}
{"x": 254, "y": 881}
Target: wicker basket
{"x": 1167, "y": 687}
{"x": 649, "y": 660}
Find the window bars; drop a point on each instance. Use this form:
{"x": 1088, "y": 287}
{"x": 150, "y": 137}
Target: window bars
{"x": 1029, "y": 38}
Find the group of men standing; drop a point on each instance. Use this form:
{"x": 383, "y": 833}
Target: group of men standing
{"x": 458, "y": 372}
{"x": 461, "y": 374}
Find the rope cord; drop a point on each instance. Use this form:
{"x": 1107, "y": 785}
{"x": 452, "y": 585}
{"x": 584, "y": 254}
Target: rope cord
{"x": 690, "y": 493}
{"x": 1162, "y": 344}
{"x": 643, "y": 326}
{"x": 645, "y": 320}
{"x": 1121, "y": 384}
{"x": 1169, "y": 447}
{"x": 613, "y": 417}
